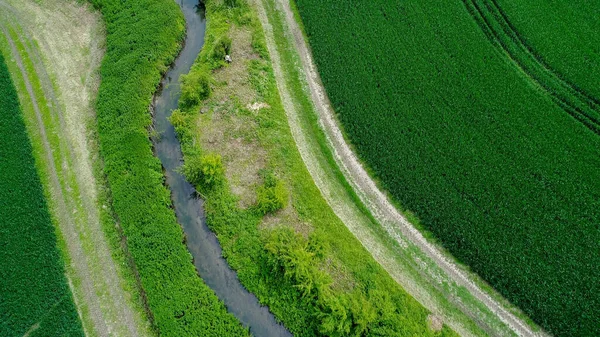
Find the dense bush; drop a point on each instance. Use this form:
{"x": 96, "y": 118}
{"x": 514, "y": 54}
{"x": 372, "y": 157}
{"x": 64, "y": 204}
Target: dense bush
{"x": 272, "y": 195}
{"x": 205, "y": 171}
{"x": 221, "y": 48}
{"x": 33, "y": 286}
{"x": 502, "y": 175}
{"x": 143, "y": 37}
{"x": 195, "y": 87}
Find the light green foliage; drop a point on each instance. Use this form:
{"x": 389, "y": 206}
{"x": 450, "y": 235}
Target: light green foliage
{"x": 195, "y": 87}
{"x": 272, "y": 195}
{"x": 291, "y": 254}
{"x": 206, "y": 170}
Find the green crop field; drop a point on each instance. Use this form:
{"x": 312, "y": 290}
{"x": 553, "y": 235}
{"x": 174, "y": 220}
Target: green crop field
{"x": 35, "y": 299}
{"x": 482, "y": 118}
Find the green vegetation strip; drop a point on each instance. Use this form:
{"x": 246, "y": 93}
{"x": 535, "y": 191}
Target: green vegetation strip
{"x": 143, "y": 38}
{"x": 500, "y": 174}
{"x": 321, "y": 283}
{"x": 34, "y": 296}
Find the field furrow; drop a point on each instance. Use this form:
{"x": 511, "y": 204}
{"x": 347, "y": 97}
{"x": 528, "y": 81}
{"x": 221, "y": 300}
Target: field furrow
{"x": 494, "y": 22}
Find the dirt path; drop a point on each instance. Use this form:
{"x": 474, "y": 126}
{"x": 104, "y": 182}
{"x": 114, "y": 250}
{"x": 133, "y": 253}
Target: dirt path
{"x": 70, "y": 37}
{"x": 67, "y": 225}
{"x": 378, "y": 204}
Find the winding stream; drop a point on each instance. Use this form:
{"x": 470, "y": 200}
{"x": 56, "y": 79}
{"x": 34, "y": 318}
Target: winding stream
{"x": 201, "y": 241}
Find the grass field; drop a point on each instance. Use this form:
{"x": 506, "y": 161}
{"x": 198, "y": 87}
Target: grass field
{"x": 35, "y": 298}
{"x": 335, "y": 290}
{"x": 472, "y": 130}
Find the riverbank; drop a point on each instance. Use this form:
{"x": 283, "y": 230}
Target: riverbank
{"x": 276, "y": 230}
{"x": 144, "y": 37}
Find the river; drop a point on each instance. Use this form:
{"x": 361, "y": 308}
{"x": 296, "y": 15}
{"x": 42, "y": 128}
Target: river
{"x": 201, "y": 241}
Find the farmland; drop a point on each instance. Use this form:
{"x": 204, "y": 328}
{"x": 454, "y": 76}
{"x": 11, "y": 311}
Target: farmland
{"x": 489, "y": 148}
{"x": 35, "y": 298}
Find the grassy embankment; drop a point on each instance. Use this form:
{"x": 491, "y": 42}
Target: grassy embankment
{"x": 454, "y": 125}
{"x": 275, "y": 228}
{"x": 405, "y": 262}
{"x": 34, "y": 297}
{"x": 143, "y": 38}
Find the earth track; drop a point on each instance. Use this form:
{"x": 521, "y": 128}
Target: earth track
{"x": 98, "y": 287}
{"x": 67, "y": 226}
{"x": 374, "y": 199}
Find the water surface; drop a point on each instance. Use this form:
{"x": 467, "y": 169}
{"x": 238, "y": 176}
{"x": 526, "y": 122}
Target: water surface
{"x": 201, "y": 242}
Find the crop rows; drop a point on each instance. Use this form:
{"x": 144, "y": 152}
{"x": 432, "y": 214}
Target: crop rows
{"x": 564, "y": 35}
{"x": 143, "y": 37}
{"x": 34, "y": 295}
{"x": 494, "y": 22}
{"x": 463, "y": 136}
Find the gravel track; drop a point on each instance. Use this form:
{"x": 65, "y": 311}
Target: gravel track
{"x": 374, "y": 199}
{"x": 63, "y": 34}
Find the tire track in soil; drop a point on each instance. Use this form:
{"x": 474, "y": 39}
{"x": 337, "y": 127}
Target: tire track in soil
{"x": 67, "y": 226}
{"x": 373, "y": 198}
{"x": 121, "y": 319}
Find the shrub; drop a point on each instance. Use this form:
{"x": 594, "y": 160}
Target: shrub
{"x": 272, "y": 195}
{"x": 222, "y": 47}
{"x": 195, "y": 87}
{"x": 291, "y": 254}
{"x": 205, "y": 171}
{"x": 234, "y": 3}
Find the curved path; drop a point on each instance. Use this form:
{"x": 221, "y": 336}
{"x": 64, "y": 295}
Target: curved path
{"x": 68, "y": 153}
{"x": 376, "y": 201}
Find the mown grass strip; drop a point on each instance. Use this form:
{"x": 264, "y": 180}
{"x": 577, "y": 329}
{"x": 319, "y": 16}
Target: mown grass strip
{"x": 143, "y": 38}
{"x": 34, "y": 296}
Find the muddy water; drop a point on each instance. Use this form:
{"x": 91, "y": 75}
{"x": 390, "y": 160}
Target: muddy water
{"x": 201, "y": 242}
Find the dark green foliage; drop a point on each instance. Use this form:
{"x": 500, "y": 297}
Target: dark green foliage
{"x": 221, "y": 48}
{"x": 272, "y": 195}
{"x": 564, "y": 34}
{"x": 496, "y": 25}
{"x": 33, "y": 287}
{"x": 234, "y": 3}
{"x": 489, "y": 162}
{"x": 143, "y": 39}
